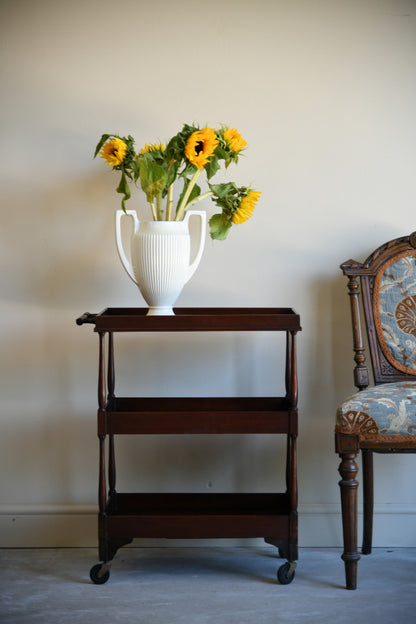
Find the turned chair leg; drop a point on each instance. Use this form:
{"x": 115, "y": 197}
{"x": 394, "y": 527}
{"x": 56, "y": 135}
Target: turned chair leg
{"x": 368, "y": 499}
{"x": 348, "y": 485}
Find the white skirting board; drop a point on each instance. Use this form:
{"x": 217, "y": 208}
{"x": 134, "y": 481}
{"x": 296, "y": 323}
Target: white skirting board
{"x": 71, "y": 526}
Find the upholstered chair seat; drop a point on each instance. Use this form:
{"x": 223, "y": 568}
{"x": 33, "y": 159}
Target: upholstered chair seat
{"x": 381, "y": 415}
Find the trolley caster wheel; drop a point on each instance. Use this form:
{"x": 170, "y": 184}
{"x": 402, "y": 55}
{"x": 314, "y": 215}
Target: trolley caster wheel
{"x": 98, "y": 575}
{"x": 286, "y": 573}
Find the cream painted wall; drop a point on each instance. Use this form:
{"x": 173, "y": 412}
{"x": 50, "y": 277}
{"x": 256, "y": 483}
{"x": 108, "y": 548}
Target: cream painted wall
{"x": 325, "y": 94}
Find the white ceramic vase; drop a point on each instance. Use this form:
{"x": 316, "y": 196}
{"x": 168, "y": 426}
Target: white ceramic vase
{"x": 160, "y": 258}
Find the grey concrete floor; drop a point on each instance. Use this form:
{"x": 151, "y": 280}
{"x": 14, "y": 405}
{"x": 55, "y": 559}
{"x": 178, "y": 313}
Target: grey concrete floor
{"x": 204, "y": 585}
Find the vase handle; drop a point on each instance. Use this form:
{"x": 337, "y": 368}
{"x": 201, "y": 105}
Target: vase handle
{"x": 203, "y": 216}
{"x": 124, "y": 260}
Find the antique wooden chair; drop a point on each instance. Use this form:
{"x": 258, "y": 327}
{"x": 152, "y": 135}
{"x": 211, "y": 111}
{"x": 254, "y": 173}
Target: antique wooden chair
{"x": 380, "y": 417}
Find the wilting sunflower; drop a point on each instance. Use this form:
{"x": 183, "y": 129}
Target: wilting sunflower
{"x": 200, "y": 146}
{"x": 152, "y": 148}
{"x": 234, "y": 139}
{"x": 114, "y": 152}
{"x": 247, "y": 205}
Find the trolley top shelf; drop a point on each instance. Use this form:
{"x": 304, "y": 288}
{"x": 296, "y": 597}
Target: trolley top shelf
{"x": 194, "y": 319}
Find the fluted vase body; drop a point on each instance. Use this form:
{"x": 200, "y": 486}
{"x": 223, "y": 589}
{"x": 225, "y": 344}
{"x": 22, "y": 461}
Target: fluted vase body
{"x": 160, "y": 258}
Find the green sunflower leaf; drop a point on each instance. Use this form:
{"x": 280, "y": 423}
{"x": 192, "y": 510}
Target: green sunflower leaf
{"x": 124, "y": 189}
{"x": 153, "y": 178}
{"x": 222, "y": 190}
{"x": 101, "y": 142}
{"x": 219, "y": 227}
{"x": 220, "y": 152}
{"x": 172, "y": 172}
{"x": 188, "y": 170}
{"x": 135, "y": 168}
{"x": 212, "y": 167}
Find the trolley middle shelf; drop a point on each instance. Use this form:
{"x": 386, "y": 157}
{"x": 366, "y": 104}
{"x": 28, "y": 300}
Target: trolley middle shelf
{"x": 139, "y": 415}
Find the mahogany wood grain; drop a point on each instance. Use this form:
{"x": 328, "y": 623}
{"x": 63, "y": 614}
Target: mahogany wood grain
{"x": 125, "y": 516}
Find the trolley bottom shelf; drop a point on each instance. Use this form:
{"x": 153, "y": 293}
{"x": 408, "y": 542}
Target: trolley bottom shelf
{"x": 197, "y": 516}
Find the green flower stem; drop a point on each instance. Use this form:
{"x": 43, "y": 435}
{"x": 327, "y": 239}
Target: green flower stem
{"x": 159, "y": 207}
{"x": 197, "y": 199}
{"x": 169, "y": 203}
{"x": 152, "y": 205}
{"x": 182, "y": 206}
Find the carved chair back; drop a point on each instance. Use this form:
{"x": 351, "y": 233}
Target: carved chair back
{"x": 388, "y": 289}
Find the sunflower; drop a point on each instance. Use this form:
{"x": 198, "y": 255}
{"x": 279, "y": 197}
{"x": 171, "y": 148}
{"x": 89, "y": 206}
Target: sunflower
{"x": 200, "y": 146}
{"x": 152, "y": 148}
{"x": 246, "y": 208}
{"x": 114, "y": 152}
{"x": 234, "y": 140}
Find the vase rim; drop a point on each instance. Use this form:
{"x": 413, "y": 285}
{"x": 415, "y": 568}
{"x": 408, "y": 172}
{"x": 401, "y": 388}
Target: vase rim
{"x": 164, "y": 225}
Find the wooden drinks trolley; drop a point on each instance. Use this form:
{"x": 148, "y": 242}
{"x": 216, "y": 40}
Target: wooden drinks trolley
{"x": 123, "y": 517}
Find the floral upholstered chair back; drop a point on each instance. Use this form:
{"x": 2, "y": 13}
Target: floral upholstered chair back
{"x": 383, "y": 413}
{"x": 394, "y": 310}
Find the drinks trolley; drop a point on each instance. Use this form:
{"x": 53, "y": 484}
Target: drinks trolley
{"x": 125, "y": 516}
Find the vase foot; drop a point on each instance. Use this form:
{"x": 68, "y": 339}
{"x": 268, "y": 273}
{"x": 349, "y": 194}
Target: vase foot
{"x": 160, "y": 311}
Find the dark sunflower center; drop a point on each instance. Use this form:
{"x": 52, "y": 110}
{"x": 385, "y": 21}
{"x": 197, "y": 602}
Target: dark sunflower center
{"x": 199, "y": 147}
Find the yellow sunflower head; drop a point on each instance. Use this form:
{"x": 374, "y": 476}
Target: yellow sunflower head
{"x": 200, "y": 147}
{"x": 246, "y": 208}
{"x": 234, "y": 140}
{"x": 114, "y": 151}
{"x": 155, "y": 147}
